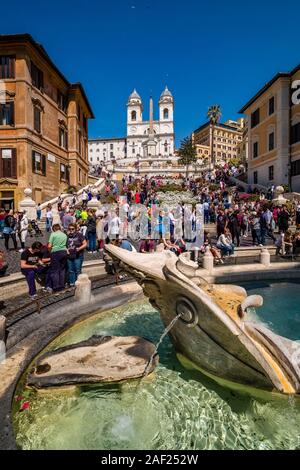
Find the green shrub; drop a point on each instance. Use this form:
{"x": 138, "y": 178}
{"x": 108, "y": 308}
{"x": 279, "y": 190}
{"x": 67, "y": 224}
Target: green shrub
{"x": 70, "y": 190}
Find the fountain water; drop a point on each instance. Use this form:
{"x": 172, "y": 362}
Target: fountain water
{"x": 165, "y": 332}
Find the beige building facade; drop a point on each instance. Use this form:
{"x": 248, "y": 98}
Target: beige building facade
{"x": 274, "y": 133}
{"x": 227, "y": 139}
{"x": 43, "y": 124}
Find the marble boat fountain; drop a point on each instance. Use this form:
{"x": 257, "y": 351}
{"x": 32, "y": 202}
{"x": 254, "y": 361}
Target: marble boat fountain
{"x": 213, "y": 332}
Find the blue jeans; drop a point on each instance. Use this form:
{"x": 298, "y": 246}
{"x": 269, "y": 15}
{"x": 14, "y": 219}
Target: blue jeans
{"x": 92, "y": 241}
{"x": 206, "y": 217}
{"x": 74, "y": 269}
{"x": 49, "y": 225}
{"x": 226, "y": 249}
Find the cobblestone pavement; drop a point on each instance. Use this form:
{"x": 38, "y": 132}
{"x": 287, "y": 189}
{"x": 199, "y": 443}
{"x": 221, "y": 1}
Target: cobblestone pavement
{"x": 22, "y": 306}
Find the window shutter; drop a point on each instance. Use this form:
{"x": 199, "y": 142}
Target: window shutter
{"x": 33, "y": 161}
{"x": 1, "y": 164}
{"x": 14, "y": 163}
{"x": 44, "y": 165}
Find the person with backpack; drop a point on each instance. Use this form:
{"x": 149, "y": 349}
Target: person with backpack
{"x": 9, "y": 230}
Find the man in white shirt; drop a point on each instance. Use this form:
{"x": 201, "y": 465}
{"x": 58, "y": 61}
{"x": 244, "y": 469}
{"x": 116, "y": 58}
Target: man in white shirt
{"x": 114, "y": 227}
{"x": 23, "y": 230}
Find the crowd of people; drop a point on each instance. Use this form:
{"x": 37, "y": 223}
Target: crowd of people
{"x": 138, "y": 222}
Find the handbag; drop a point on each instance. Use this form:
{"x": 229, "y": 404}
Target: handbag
{"x": 7, "y": 230}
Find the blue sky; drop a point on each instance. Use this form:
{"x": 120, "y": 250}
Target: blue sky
{"x": 207, "y": 52}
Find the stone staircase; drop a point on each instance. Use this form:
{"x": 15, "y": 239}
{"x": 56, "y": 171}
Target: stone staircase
{"x": 99, "y": 185}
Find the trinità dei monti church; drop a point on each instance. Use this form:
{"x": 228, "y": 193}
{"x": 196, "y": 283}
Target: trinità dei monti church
{"x": 145, "y": 139}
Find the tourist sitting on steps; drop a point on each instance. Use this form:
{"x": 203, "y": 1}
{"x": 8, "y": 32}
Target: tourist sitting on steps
{"x": 225, "y": 244}
{"x": 33, "y": 262}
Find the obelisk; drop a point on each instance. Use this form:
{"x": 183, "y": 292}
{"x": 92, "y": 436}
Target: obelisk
{"x": 151, "y": 116}
{"x": 151, "y": 144}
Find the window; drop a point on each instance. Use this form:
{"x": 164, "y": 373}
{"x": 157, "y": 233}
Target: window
{"x": 7, "y": 66}
{"x": 7, "y": 114}
{"x": 79, "y": 174}
{"x": 38, "y": 163}
{"x": 63, "y": 138}
{"x": 255, "y": 149}
{"x": 78, "y": 111}
{"x": 271, "y": 105}
{"x": 255, "y": 118}
{"x": 295, "y": 169}
{"x": 166, "y": 113}
{"x": 295, "y": 133}
{"x": 37, "y": 119}
{"x": 111, "y": 154}
{"x": 271, "y": 141}
{"x": 61, "y": 101}
{"x": 63, "y": 173}
{"x": 133, "y": 115}
{"x": 133, "y": 150}
{"x": 255, "y": 177}
{"x": 8, "y": 163}
{"x": 37, "y": 77}
{"x": 271, "y": 173}
{"x": 111, "y": 146}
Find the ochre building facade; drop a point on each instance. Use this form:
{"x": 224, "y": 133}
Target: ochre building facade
{"x": 43, "y": 124}
{"x": 274, "y": 132}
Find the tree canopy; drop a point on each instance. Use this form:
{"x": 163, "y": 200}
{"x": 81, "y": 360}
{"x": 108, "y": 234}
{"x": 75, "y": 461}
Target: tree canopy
{"x": 214, "y": 114}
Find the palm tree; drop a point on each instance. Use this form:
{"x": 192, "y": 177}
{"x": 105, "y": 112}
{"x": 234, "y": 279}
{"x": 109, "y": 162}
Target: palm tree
{"x": 214, "y": 115}
{"x": 187, "y": 153}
